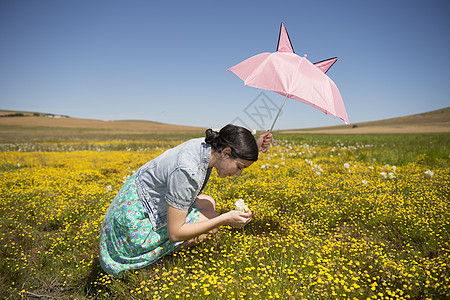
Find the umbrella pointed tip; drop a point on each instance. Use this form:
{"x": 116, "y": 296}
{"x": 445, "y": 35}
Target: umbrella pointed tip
{"x": 284, "y": 42}
{"x": 326, "y": 64}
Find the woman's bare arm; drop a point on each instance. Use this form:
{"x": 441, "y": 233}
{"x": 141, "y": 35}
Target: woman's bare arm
{"x": 179, "y": 230}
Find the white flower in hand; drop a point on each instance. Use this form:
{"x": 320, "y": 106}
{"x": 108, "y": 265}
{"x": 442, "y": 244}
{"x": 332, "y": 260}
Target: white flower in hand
{"x": 429, "y": 173}
{"x": 241, "y": 206}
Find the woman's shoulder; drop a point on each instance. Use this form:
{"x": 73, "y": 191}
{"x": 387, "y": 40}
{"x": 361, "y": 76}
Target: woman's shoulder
{"x": 196, "y": 141}
{"x": 191, "y": 152}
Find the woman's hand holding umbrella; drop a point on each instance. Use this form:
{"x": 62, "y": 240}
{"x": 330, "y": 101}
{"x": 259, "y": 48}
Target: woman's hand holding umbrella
{"x": 264, "y": 141}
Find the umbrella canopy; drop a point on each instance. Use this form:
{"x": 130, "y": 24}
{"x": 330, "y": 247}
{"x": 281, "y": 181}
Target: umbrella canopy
{"x": 292, "y": 76}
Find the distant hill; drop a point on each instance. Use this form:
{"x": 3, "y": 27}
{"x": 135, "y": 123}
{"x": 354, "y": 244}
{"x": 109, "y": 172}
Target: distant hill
{"x": 437, "y": 121}
{"x": 43, "y": 120}
{"x": 14, "y": 122}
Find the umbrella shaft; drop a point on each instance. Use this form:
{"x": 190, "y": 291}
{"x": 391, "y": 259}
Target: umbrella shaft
{"x": 276, "y": 118}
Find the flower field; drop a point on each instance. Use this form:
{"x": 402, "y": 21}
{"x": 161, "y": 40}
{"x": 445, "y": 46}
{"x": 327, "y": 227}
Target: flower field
{"x": 333, "y": 218}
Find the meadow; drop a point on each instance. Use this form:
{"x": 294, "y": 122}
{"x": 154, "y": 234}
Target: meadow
{"x": 335, "y": 217}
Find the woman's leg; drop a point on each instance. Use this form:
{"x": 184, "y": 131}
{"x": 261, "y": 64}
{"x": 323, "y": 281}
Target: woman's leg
{"x": 207, "y": 207}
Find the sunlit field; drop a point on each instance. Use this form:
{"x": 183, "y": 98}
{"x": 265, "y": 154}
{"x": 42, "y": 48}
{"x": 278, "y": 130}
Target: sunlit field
{"x": 335, "y": 217}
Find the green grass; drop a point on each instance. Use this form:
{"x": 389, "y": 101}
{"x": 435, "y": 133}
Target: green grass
{"x": 384, "y": 148}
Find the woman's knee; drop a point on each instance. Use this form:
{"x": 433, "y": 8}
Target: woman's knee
{"x": 207, "y": 213}
{"x": 207, "y": 207}
{"x": 205, "y": 202}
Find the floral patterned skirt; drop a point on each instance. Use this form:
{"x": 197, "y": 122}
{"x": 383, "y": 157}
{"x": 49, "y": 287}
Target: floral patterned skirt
{"x": 127, "y": 238}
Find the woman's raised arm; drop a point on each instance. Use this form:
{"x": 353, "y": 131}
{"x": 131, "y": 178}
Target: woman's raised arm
{"x": 264, "y": 140}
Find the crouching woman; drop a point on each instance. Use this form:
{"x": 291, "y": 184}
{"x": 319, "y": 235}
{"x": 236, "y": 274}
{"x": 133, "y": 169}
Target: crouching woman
{"x": 161, "y": 206}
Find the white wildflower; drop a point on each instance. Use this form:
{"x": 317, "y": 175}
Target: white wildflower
{"x": 109, "y": 188}
{"x": 241, "y": 206}
{"x": 347, "y": 166}
{"x": 391, "y": 175}
{"x": 383, "y": 174}
{"x": 394, "y": 168}
{"x": 364, "y": 182}
{"x": 125, "y": 178}
{"x": 318, "y": 173}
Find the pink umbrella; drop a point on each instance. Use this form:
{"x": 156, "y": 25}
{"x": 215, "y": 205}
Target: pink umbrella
{"x": 292, "y": 76}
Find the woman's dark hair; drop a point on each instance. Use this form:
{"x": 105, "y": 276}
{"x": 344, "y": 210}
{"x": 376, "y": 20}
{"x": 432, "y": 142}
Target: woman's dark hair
{"x": 240, "y": 140}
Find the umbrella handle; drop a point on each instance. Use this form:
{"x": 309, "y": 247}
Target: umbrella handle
{"x": 264, "y": 150}
{"x": 279, "y": 111}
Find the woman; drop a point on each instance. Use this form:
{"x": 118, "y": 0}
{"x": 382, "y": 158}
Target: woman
{"x": 161, "y": 207}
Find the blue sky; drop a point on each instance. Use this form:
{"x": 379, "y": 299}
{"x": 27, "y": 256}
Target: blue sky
{"x": 166, "y": 61}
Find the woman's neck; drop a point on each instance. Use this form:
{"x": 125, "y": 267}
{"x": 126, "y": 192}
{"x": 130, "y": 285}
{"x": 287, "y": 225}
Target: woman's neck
{"x": 212, "y": 159}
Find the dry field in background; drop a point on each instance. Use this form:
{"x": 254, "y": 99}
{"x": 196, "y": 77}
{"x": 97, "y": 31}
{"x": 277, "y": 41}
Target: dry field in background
{"x": 30, "y": 128}
{"x": 437, "y": 121}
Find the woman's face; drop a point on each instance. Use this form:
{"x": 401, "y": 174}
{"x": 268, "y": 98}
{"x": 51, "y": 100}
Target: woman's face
{"x": 228, "y": 166}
